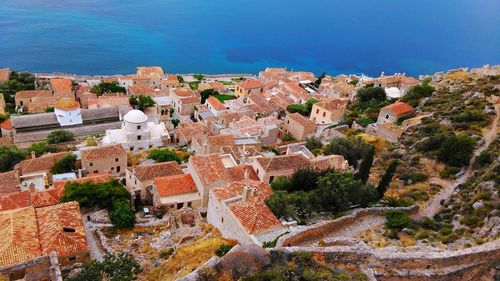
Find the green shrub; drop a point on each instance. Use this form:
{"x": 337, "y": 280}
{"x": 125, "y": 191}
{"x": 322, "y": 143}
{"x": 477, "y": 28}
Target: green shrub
{"x": 288, "y": 137}
{"x": 91, "y": 195}
{"x": 165, "y": 254}
{"x": 223, "y": 249}
{"x": 59, "y": 136}
{"x": 445, "y": 231}
{"x": 421, "y": 235}
{"x": 164, "y": 155}
{"x": 484, "y": 158}
{"x": 397, "y": 220}
{"x": 64, "y": 165}
{"x": 470, "y": 220}
{"x": 116, "y": 267}
{"x": 122, "y": 215}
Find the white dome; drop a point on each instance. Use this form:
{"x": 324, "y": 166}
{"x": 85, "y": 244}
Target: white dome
{"x": 135, "y": 116}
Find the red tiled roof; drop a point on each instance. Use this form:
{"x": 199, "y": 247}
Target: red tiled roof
{"x": 151, "y": 171}
{"x": 14, "y": 200}
{"x": 7, "y": 124}
{"x": 255, "y": 216}
{"x": 215, "y": 103}
{"x": 52, "y": 223}
{"x": 9, "y": 182}
{"x": 47, "y": 197}
{"x": 235, "y": 189}
{"x": 250, "y": 84}
{"x": 103, "y": 152}
{"x": 150, "y": 71}
{"x": 305, "y": 122}
{"x": 67, "y": 104}
{"x": 19, "y": 234}
{"x": 237, "y": 173}
{"x": 61, "y": 86}
{"x": 399, "y": 108}
{"x": 283, "y": 162}
{"x": 33, "y": 93}
{"x": 175, "y": 185}
{"x": 95, "y": 178}
{"x": 40, "y": 164}
{"x": 331, "y": 105}
{"x": 209, "y": 168}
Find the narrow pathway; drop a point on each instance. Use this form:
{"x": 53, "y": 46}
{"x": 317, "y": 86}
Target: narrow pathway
{"x": 95, "y": 250}
{"x": 434, "y": 205}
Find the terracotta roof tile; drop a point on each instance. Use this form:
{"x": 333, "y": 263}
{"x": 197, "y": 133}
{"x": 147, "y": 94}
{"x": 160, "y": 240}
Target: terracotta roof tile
{"x": 61, "y": 86}
{"x": 209, "y": 168}
{"x": 40, "y": 164}
{"x": 237, "y": 173}
{"x": 33, "y": 93}
{"x": 255, "y": 216}
{"x": 138, "y": 90}
{"x": 6, "y": 124}
{"x": 53, "y": 221}
{"x": 215, "y": 103}
{"x": 67, "y": 104}
{"x": 175, "y": 185}
{"x": 306, "y": 122}
{"x": 150, "y": 71}
{"x": 331, "y": 105}
{"x": 151, "y": 171}
{"x": 283, "y": 162}
{"x": 19, "y": 233}
{"x": 103, "y": 152}
{"x": 47, "y": 197}
{"x": 9, "y": 182}
{"x": 399, "y": 108}
{"x": 14, "y": 200}
{"x": 250, "y": 84}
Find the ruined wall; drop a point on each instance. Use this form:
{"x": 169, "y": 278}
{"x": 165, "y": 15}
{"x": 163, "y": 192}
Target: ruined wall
{"x": 318, "y": 231}
{"x": 33, "y": 270}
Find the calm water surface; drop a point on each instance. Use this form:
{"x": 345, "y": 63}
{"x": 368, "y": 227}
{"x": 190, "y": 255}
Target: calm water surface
{"x": 222, "y": 36}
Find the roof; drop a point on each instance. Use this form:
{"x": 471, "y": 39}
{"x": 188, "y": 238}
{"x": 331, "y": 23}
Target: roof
{"x": 337, "y": 162}
{"x": 15, "y": 200}
{"x": 103, "y": 152}
{"x": 237, "y": 173}
{"x": 95, "y": 178}
{"x": 108, "y": 101}
{"x": 331, "y": 105}
{"x": 33, "y": 93}
{"x": 283, "y": 162}
{"x": 40, "y": 164}
{"x": 190, "y": 100}
{"x": 399, "y": 108}
{"x": 52, "y": 224}
{"x": 183, "y": 92}
{"x": 297, "y": 117}
{"x": 215, "y": 103}
{"x": 138, "y": 90}
{"x": 6, "y": 124}
{"x": 209, "y": 168}
{"x": 47, "y": 197}
{"x": 250, "y": 84}
{"x": 190, "y": 129}
{"x": 220, "y": 140}
{"x": 4, "y": 74}
{"x": 67, "y": 104}
{"x": 135, "y": 116}
{"x": 255, "y": 216}
{"x": 261, "y": 102}
{"x": 151, "y": 171}
{"x": 150, "y": 71}
{"x": 61, "y": 85}
{"x": 175, "y": 185}
{"x": 19, "y": 232}
{"x": 9, "y": 181}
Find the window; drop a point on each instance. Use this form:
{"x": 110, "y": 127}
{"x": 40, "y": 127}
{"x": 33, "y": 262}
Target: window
{"x": 138, "y": 127}
{"x": 387, "y": 117}
{"x": 271, "y": 179}
{"x": 72, "y": 258}
{"x": 190, "y": 204}
{"x": 91, "y": 164}
{"x": 116, "y": 159}
{"x": 112, "y": 168}
{"x": 118, "y": 168}
{"x": 68, "y": 229}
{"x": 317, "y": 111}
{"x": 95, "y": 172}
{"x": 324, "y": 114}
{"x": 222, "y": 220}
{"x": 139, "y": 137}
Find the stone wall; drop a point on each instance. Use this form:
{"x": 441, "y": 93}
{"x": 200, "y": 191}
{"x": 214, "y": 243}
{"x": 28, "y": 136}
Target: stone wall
{"x": 37, "y": 269}
{"x": 318, "y": 231}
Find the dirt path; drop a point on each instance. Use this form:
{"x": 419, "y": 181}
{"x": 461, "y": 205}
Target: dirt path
{"x": 95, "y": 251}
{"x": 434, "y": 205}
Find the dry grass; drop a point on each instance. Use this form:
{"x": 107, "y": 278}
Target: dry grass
{"x": 186, "y": 259}
{"x": 457, "y": 75}
{"x": 379, "y": 143}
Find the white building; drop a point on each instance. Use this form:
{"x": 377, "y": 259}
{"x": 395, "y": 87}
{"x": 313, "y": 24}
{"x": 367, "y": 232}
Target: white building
{"x": 137, "y": 133}
{"x": 68, "y": 112}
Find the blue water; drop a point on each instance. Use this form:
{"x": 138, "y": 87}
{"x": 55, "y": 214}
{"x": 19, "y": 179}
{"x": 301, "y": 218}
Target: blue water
{"x": 223, "y": 36}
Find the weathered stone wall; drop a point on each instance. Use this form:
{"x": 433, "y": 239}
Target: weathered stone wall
{"x": 318, "y": 231}
{"x": 33, "y": 270}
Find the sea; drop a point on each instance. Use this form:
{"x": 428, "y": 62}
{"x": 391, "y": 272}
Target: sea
{"x": 99, "y": 37}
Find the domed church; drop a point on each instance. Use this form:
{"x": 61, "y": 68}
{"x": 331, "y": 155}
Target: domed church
{"x": 137, "y": 133}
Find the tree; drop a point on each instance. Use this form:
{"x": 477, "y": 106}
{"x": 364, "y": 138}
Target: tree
{"x": 205, "y": 94}
{"x": 122, "y": 215}
{"x": 280, "y": 183}
{"x": 313, "y": 143}
{"x": 387, "y": 178}
{"x": 40, "y": 148}
{"x": 17, "y": 82}
{"x": 10, "y": 156}
{"x": 59, "y": 136}
{"x": 91, "y": 195}
{"x": 108, "y": 87}
{"x": 302, "y": 109}
{"x": 142, "y": 102}
{"x": 199, "y": 77}
{"x": 366, "y": 165}
{"x": 456, "y": 151}
{"x": 353, "y": 149}
{"x": 175, "y": 122}
{"x": 116, "y": 267}
{"x": 164, "y": 155}
{"x": 64, "y": 165}
{"x": 397, "y": 220}
{"x": 278, "y": 203}
{"x": 180, "y": 78}
{"x": 49, "y": 109}
{"x": 288, "y": 137}
{"x": 320, "y": 78}
{"x": 367, "y": 94}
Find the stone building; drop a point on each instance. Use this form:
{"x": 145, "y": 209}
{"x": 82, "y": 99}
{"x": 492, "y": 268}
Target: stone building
{"x": 298, "y": 126}
{"x": 184, "y": 100}
{"x": 137, "y": 133}
{"x": 245, "y": 88}
{"x": 138, "y": 178}
{"x": 395, "y": 112}
{"x": 106, "y": 159}
{"x": 176, "y": 192}
{"x": 328, "y": 112}
{"x": 62, "y": 88}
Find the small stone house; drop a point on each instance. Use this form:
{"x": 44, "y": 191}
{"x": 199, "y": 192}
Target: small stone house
{"x": 184, "y": 100}
{"x": 395, "y": 112}
{"x": 106, "y": 159}
{"x": 176, "y": 192}
{"x": 62, "y": 88}
{"x": 245, "y": 88}
{"x": 215, "y": 106}
{"x": 328, "y": 112}
{"x": 138, "y": 178}
{"x": 298, "y": 126}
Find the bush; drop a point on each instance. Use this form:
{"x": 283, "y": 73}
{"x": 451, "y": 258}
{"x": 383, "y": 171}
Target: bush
{"x": 10, "y": 156}
{"x": 59, "y": 136}
{"x": 456, "y": 151}
{"x": 223, "y": 249}
{"x": 449, "y": 172}
{"x": 122, "y": 215}
{"x": 66, "y": 164}
{"x": 445, "y": 231}
{"x": 413, "y": 177}
{"x": 471, "y": 220}
{"x": 164, "y": 155}
{"x": 91, "y": 195}
{"x": 421, "y": 235}
{"x": 288, "y": 137}
{"x": 313, "y": 143}
{"x": 484, "y": 158}
{"x": 108, "y": 87}
{"x": 165, "y": 254}
{"x": 117, "y": 267}
{"x": 397, "y": 220}
{"x": 366, "y": 94}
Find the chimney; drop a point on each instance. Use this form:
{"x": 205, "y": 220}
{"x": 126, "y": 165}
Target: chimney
{"x": 246, "y": 194}
{"x": 32, "y": 187}
{"x": 382, "y": 74}
{"x": 246, "y": 173}
{"x": 33, "y": 155}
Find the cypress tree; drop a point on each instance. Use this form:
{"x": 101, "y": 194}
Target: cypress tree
{"x": 386, "y": 179}
{"x": 366, "y": 165}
